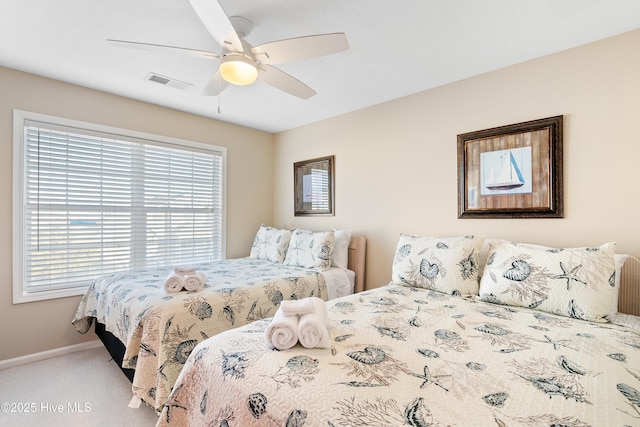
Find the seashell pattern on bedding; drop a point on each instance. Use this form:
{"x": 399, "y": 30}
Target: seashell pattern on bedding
{"x": 444, "y": 264}
{"x": 410, "y": 356}
{"x": 161, "y": 330}
{"x": 573, "y": 282}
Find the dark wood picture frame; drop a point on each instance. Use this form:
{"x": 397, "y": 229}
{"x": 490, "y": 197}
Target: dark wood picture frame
{"x": 512, "y": 171}
{"x": 314, "y": 187}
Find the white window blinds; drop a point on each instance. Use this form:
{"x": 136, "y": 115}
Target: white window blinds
{"x": 96, "y": 203}
{"x": 319, "y": 189}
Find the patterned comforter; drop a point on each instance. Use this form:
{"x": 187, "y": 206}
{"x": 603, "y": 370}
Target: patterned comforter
{"x": 160, "y": 329}
{"x": 406, "y": 356}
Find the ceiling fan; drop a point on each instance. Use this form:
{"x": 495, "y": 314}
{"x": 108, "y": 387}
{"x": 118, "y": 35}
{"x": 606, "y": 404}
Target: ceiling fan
{"x": 240, "y": 62}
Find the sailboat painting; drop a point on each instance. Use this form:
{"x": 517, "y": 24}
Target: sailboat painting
{"x": 506, "y": 171}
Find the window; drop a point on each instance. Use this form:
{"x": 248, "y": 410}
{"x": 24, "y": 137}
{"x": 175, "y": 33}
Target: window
{"x": 91, "y": 200}
{"x": 316, "y": 189}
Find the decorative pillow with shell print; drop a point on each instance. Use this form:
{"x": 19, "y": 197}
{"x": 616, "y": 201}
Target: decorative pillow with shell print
{"x": 444, "y": 264}
{"x": 310, "y": 249}
{"x": 576, "y": 282}
{"x": 270, "y": 244}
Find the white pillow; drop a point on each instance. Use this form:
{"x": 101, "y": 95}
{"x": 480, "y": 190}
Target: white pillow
{"x": 484, "y": 252}
{"x": 310, "y": 249}
{"x": 619, "y": 260}
{"x": 341, "y": 250}
{"x": 444, "y": 264}
{"x": 270, "y": 244}
{"x": 569, "y": 282}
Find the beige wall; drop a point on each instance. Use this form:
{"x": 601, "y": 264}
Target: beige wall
{"x": 33, "y": 327}
{"x": 396, "y": 163}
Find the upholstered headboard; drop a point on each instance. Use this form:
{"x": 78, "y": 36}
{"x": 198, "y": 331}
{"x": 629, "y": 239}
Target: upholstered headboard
{"x": 629, "y": 294}
{"x": 357, "y": 252}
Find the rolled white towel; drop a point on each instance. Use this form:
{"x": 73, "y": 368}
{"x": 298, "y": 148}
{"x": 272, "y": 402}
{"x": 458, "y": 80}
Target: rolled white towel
{"x": 312, "y": 327}
{"x": 184, "y": 269}
{"x": 299, "y": 307}
{"x": 282, "y": 332}
{"x": 195, "y": 282}
{"x": 174, "y": 283}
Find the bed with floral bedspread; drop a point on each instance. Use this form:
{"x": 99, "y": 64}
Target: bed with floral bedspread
{"x": 526, "y": 348}
{"x": 160, "y": 329}
{"x": 407, "y": 356}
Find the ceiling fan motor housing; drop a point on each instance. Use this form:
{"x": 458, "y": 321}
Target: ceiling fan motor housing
{"x": 242, "y": 25}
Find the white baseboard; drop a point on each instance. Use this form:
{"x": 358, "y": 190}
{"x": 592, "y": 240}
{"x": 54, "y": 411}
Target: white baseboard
{"x": 36, "y": 357}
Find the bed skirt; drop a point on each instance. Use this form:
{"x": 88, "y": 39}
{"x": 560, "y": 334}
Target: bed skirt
{"x": 115, "y": 348}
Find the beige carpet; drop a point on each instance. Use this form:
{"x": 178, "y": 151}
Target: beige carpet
{"x": 80, "y": 389}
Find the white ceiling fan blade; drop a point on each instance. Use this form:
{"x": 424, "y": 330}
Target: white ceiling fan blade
{"x": 299, "y": 48}
{"x": 285, "y": 82}
{"x": 217, "y": 23}
{"x": 150, "y": 47}
{"x": 215, "y": 85}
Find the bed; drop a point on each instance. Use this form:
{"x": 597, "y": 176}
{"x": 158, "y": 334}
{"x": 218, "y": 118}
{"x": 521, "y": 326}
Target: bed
{"x": 150, "y": 332}
{"x": 529, "y": 337}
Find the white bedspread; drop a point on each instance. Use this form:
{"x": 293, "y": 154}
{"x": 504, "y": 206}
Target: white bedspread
{"x": 404, "y": 356}
{"x": 159, "y": 330}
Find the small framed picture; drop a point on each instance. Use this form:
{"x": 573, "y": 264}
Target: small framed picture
{"x": 314, "y": 187}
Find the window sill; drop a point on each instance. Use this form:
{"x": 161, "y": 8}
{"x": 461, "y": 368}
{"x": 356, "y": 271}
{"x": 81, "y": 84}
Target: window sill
{"x": 20, "y": 296}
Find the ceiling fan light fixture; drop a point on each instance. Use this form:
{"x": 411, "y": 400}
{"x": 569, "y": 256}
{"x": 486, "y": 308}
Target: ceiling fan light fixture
{"x": 238, "y": 69}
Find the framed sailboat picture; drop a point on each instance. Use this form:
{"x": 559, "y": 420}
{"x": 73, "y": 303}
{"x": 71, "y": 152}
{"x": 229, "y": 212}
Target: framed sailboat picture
{"x": 512, "y": 171}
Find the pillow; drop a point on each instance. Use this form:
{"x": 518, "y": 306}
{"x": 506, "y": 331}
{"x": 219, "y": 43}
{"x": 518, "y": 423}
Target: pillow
{"x": 448, "y": 264}
{"x": 619, "y": 260}
{"x": 311, "y": 250}
{"x": 484, "y": 252}
{"x": 341, "y": 249}
{"x": 568, "y": 282}
{"x": 270, "y": 244}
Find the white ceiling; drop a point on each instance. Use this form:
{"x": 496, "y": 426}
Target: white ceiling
{"x": 397, "y": 47}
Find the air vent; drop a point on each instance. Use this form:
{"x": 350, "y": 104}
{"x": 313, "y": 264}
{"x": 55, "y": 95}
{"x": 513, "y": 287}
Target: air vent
{"x": 167, "y": 81}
